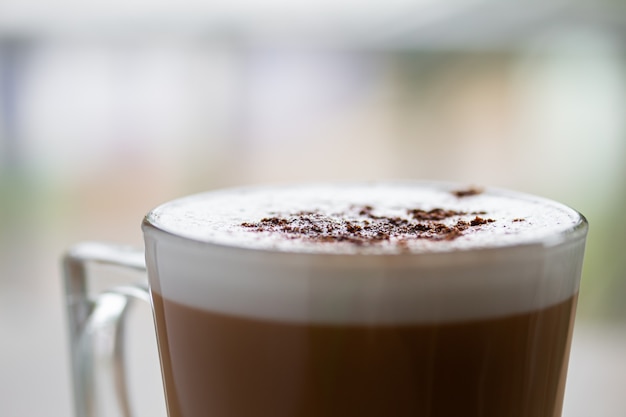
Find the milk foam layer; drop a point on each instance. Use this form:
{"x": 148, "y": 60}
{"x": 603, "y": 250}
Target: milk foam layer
{"x": 505, "y": 267}
{"x": 218, "y": 217}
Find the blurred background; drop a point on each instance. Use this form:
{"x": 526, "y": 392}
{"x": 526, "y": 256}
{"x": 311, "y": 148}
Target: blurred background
{"x": 109, "y": 108}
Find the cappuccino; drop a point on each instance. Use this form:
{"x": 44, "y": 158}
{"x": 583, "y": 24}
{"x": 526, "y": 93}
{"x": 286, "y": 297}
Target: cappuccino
{"x": 394, "y": 299}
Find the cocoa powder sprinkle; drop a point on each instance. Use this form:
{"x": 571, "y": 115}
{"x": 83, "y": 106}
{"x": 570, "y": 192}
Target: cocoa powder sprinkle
{"x": 434, "y": 214}
{"x": 360, "y": 226}
{"x": 479, "y": 221}
{"x": 467, "y": 192}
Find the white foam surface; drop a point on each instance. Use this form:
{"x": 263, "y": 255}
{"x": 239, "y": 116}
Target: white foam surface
{"x": 217, "y": 217}
{"x": 501, "y": 268}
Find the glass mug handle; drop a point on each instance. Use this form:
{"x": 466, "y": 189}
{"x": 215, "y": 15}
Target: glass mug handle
{"x": 96, "y": 328}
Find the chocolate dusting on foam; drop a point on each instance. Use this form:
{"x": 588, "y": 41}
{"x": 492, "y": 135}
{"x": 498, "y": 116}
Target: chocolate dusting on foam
{"x": 468, "y": 192}
{"x": 361, "y": 226}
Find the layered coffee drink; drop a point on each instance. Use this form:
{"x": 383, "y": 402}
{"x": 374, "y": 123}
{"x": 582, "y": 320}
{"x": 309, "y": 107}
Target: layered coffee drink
{"x": 369, "y": 300}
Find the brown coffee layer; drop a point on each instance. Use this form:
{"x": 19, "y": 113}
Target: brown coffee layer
{"x": 226, "y": 366}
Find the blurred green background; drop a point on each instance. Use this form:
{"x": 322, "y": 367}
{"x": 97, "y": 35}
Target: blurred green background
{"x": 110, "y": 108}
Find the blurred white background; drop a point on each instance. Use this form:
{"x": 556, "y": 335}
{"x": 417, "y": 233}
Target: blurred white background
{"x": 110, "y": 108}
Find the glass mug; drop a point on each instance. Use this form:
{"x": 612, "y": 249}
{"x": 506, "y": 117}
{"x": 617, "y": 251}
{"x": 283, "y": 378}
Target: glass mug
{"x": 370, "y": 300}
